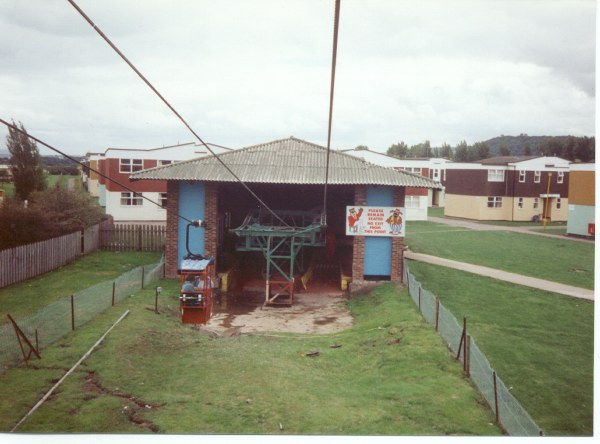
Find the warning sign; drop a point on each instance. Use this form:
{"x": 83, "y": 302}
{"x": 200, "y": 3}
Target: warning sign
{"x": 374, "y": 221}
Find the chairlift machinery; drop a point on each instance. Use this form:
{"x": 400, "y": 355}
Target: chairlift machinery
{"x": 195, "y": 305}
{"x": 280, "y": 235}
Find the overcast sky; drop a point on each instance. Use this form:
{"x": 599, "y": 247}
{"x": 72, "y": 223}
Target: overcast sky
{"x": 246, "y": 72}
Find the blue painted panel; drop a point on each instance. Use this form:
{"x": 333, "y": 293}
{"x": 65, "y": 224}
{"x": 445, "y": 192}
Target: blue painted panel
{"x": 378, "y": 250}
{"x": 191, "y": 206}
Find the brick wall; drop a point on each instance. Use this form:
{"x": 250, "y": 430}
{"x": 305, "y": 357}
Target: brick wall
{"x": 211, "y": 207}
{"x": 398, "y": 242}
{"x": 172, "y": 229}
{"x": 358, "y": 250}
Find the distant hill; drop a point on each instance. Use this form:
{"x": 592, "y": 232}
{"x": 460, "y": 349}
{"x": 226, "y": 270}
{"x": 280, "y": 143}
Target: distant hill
{"x": 517, "y": 144}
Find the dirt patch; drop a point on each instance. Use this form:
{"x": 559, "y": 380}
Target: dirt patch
{"x": 310, "y": 313}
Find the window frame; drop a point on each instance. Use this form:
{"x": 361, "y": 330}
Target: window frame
{"x": 129, "y": 199}
{"x": 494, "y": 175}
{"x": 536, "y": 203}
{"x": 520, "y": 203}
{"x": 537, "y": 176}
{"x": 560, "y": 178}
{"x": 130, "y": 165}
{"x": 522, "y": 176}
{"x": 163, "y": 199}
{"x": 494, "y": 202}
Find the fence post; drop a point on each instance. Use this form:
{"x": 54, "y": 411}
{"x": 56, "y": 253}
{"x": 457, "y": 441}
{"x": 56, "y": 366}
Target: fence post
{"x": 496, "y": 398}
{"x": 462, "y": 337}
{"x": 437, "y": 313}
{"x": 72, "y": 313}
{"x": 139, "y": 240}
{"x": 113, "y": 294}
{"x": 419, "y": 305}
{"x": 143, "y": 272}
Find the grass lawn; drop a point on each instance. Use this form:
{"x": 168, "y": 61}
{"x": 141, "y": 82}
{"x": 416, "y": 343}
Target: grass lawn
{"x": 26, "y": 298}
{"x": 391, "y": 375}
{"x": 540, "y": 343}
{"x": 560, "y": 260}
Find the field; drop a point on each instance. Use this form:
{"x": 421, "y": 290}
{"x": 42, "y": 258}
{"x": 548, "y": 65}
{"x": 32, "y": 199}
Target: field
{"x": 389, "y": 374}
{"x": 559, "y": 260}
{"x": 540, "y": 343}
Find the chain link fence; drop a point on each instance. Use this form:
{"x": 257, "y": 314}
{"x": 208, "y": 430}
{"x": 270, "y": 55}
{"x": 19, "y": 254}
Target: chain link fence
{"x": 59, "y": 318}
{"x": 509, "y": 412}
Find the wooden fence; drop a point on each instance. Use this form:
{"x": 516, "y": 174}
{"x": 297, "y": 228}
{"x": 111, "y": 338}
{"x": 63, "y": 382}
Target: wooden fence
{"x": 27, "y": 261}
{"x": 121, "y": 237}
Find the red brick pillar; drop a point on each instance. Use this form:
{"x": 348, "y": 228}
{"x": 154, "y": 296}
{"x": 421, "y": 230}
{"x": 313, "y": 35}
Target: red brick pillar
{"x": 398, "y": 242}
{"x": 172, "y": 228}
{"x": 358, "y": 248}
{"x": 211, "y": 205}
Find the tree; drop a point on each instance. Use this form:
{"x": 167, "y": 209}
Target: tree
{"x": 26, "y": 166}
{"x": 361, "y": 148}
{"x": 398, "y": 150}
{"x": 504, "y": 150}
{"x": 421, "y": 150}
{"x": 481, "y": 150}
{"x": 446, "y": 151}
{"x": 461, "y": 154}
{"x": 527, "y": 150}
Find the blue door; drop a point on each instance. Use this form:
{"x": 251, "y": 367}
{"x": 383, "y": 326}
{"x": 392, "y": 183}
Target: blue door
{"x": 378, "y": 250}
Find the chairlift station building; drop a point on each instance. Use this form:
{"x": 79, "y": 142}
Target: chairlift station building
{"x": 288, "y": 175}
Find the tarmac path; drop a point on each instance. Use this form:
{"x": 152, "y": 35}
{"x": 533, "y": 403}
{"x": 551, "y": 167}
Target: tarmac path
{"x": 542, "y": 284}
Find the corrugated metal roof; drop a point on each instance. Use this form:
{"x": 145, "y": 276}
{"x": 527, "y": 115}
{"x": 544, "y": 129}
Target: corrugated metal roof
{"x": 286, "y": 161}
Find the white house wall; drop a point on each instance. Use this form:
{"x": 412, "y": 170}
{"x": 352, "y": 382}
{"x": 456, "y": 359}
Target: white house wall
{"x": 147, "y": 212}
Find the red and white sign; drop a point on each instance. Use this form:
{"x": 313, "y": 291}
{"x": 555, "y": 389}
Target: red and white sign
{"x": 375, "y": 221}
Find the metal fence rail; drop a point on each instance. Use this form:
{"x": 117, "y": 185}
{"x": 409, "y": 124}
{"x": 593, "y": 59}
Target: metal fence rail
{"x": 509, "y": 412}
{"x": 59, "y": 318}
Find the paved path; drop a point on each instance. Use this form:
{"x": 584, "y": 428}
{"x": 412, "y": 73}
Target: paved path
{"x": 487, "y": 227}
{"x": 555, "y": 287}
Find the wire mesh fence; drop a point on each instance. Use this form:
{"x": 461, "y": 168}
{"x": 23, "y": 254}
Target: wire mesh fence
{"x": 509, "y": 412}
{"x": 59, "y": 318}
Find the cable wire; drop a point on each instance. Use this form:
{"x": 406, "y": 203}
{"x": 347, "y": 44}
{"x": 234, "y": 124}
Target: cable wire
{"x": 35, "y": 139}
{"x": 336, "y": 22}
{"x": 147, "y": 82}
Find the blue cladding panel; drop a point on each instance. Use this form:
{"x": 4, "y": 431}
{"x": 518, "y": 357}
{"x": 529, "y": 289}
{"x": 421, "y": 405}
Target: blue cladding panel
{"x": 191, "y": 206}
{"x": 378, "y": 250}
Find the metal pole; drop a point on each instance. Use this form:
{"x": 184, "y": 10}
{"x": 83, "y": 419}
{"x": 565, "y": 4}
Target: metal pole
{"x": 547, "y": 200}
{"x": 437, "y": 313}
{"x": 113, "y": 294}
{"x": 72, "y": 313}
{"x": 462, "y": 337}
{"x": 496, "y": 398}
{"x": 466, "y": 363}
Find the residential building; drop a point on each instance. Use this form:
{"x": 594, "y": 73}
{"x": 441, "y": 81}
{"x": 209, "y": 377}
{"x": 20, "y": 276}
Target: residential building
{"x": 417, "y": 200}
{"x": 131, "y": 205}
{"x": 581, "y": 220}
{"x": 508, "y": 188}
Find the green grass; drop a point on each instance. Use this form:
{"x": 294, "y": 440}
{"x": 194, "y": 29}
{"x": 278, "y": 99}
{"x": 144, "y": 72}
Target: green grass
{"x": 392, "y": 375}
{"x": 540, "y": 343}
{"x": 560, "y": 260}
{"x": 26, "y": 298}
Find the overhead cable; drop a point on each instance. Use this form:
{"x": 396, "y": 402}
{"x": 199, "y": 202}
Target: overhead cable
{"x": 35, "y": 139}
{"x": 336, "y": 22}
{"x": 147, "y": 82}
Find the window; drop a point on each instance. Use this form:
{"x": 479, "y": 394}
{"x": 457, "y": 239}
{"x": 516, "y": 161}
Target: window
{"x": 494, "y": 202}
{"x": 436, "y": 174}
{"x": 537, "y": 176}
{"x": 163, "y": 200}
{"x": 164, "y": 162}
{"x": 561, "y": 177}
{"x": 522, "y": 175}
{"x": 131, "y": 199}
{"x": 558, "y": 203}
{"x": 495, "y": 175}
{"x": 536, "y": 203}
{"x": 411, "y": 201}
{"x": 520, "y": 203}
{"x": 130, "y": 165}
